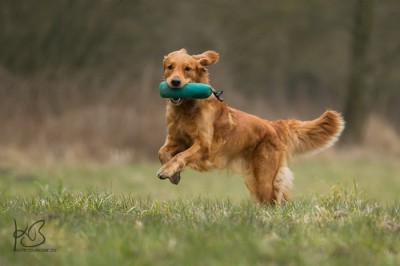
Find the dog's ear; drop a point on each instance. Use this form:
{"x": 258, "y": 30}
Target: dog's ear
{"x": 207, "y": 58}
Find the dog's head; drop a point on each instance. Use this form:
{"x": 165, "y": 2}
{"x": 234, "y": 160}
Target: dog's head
{"x": 181, "y": 68}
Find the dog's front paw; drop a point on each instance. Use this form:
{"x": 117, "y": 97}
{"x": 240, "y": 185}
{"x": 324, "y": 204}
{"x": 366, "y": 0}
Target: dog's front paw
{"x": 163, "y": 173}
{"x": 166, "y": 172}
{"x": 175, "y": 178}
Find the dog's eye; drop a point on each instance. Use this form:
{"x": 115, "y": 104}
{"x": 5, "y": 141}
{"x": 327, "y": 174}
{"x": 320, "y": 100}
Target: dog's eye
{"x": 187, "y": 69}
{"x": 170, "y": 67}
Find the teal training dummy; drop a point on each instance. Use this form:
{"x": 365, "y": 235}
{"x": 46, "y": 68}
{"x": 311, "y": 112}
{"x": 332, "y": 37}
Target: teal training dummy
{"x": 190, "y": 90}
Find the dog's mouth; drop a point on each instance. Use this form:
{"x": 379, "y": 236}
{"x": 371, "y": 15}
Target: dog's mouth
{"x": 176, "y": 101}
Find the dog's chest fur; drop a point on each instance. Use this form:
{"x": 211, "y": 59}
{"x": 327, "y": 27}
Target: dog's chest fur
{"x": 185, "y": 121}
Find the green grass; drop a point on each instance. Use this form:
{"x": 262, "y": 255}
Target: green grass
{"x": 124, "y": 215}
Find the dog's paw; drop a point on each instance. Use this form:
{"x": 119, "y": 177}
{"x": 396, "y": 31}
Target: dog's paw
{"x": 163, "y": 173}
{"x": 175, "y": 178}
{"x": 166, "y": 172}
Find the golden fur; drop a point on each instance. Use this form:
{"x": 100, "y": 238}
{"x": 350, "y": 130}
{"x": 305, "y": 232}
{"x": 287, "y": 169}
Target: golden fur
{"x": 206, "y": 134}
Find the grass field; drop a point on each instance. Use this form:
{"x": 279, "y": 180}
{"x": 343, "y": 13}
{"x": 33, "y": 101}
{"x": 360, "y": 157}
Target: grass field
{"x": 345, "y": 211}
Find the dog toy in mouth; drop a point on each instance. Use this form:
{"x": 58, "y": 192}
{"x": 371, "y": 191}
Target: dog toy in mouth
{"x": 190, "y": 90}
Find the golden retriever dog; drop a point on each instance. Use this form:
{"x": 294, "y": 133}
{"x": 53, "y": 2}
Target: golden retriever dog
{"x": 206, "y": 134}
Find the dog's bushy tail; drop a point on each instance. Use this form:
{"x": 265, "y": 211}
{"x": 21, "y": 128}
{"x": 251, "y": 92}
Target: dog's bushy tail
{"x": 311, "y": 136}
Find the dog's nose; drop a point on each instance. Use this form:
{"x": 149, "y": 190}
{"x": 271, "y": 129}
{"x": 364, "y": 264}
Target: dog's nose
{"x": 175, "y": 82}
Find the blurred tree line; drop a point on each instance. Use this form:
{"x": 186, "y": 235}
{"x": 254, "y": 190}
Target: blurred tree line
{"x": 88, "y": 70}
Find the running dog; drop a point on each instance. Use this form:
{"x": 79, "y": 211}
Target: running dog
{"x": 206, "y": 134}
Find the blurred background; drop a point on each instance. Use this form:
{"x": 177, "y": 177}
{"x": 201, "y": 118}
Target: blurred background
{"x": 79, "y": 79}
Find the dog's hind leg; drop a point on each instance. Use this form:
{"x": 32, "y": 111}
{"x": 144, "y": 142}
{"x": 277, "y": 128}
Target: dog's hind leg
{"x": 266, "y": 162}
{"x": 283, "y": 184}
